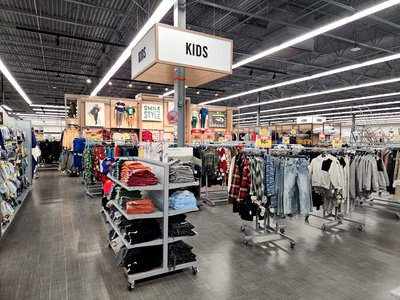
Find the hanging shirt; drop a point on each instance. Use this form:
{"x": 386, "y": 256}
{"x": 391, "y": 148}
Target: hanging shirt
{"x": 120, "y": 106}
{"x": 130, "y": 110}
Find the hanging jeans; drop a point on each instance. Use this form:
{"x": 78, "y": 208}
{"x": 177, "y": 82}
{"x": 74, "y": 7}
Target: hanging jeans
{"x": 203, "y": 121}
{"x": 120, "y": 116}
{"x": 296, "y": 191}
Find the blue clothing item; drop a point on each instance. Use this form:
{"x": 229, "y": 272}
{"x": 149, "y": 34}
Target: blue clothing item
{"x": 107, "y": 168}
{"x": 203, "y": 116}
{"x": 182, "y": 200}
{"x": 296, "y": 192}
{"x": 109, "y": 152}
{"x": 79, "y": 146}
{"x": 269, "y": 177}
{"x": 34, "y": 143}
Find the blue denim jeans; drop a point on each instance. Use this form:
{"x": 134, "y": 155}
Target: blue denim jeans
{"x": 296, "y": 191}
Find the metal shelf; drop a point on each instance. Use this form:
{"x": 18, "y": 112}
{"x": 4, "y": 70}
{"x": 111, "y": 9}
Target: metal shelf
{"x": 128, "y": 245}
{"x": 156, "y": 187}
{"x": 174, "y": 212}
{"x": 180, "y": 238}
{"x": 182, "y": 185}
{"x": 21, "y": 198}
{"x": 183, "y": 266}
{"x": 156, "y": 214}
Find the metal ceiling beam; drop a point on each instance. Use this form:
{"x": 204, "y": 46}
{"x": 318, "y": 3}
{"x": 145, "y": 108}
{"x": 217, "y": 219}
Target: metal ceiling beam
{"x": 69, "y": 36}
{"x": 49, "y": 17}
{"x": 352, "y": 9}
{"x": 268, "y": 19}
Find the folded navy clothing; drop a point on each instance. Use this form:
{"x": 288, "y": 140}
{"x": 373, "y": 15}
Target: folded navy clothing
{"x": 180, "y": 253}
{"x": 181, "y": 229}
{"x": 141, "y": 259}
{"x": 140, "y": 231}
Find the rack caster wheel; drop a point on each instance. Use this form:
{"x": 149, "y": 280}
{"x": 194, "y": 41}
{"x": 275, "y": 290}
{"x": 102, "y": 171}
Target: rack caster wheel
{"x": 130, "y": 287}
{"x": 246, "y": 242}
{"x": 242, "y": 228}
{"x": 292, "y": 245}
{"x": 360, "y": 227}
{"x": 195, "y": 270}
{"x": 282, "y": 230}
{"x": 323, "y": 228}
{"x": 306, "y": 219}
{"x": 397, "y": 217}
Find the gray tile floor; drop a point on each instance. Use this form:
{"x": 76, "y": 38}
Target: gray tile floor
{"x": 57, "y": 249}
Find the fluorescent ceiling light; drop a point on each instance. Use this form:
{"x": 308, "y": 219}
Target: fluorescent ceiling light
{"x": 327, "y": 103}
{"x": 6, "y": 107}
{"x": 48, "y": 109}
{"x": 158, "y": 14}
{"x": 323, "y": 111}
{"x": 61, "y": 106}
{"x": 320, "y": 30}
{"x": 311, "y": 77}
{"x": 14, "y": 83}
{"x": 168, "y": 93}
{"x": 347, "y": 88}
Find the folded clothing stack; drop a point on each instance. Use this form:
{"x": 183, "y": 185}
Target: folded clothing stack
{"x": 182, "y": 200}
{"x": 180, "y": 253}
{"x": 141, "y": 178}
{"x": 140, "y": 259}
{"x": 138, "y": 207}
{"x": 140, "y": 231}
{"x": 181, "y": 171}
{"x": 130, "y": 166}
{"x": 177, "y": 226}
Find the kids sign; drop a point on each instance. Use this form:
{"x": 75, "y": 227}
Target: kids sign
{"x": 152, "y": 112}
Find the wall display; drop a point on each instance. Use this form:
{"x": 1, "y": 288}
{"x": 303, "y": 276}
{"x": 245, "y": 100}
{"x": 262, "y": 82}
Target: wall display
{"x": 152, "y": 112}
{"x": 217, "y": 119}
{"x": 130, "y": 115}
{"x": 209, "y": 134}
{"x": 172, "y": 117}
{"x": 95, "y": 114}
{"x": 197, "y": 135}
{"x": 119, "y": 112}
{"x": 195, "y": 118}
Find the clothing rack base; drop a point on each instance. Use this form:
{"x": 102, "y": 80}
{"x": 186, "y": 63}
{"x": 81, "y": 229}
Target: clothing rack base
{"x": 337, "y": 220}
{"x": 388, "y": 206}
{"x": 265, "y": 233}
{"x": 213, "y": 198}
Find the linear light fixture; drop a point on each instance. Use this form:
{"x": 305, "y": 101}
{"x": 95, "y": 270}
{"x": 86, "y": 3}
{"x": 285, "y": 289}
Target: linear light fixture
{"x": 318, "y": 31}
{"x": 14, "y": 83}
{"x": 6, "y": 107}
{"x": 158, "y": 14}
{"x": 327, "y": 103}
{"x": 168, "y": 93}
{"x": 310, "y": 77}
{"x": 48, "y": 110}
{"x": 61, "y": 106}
{"x": 323, "y": 110}
{"x": 347, "y": 88}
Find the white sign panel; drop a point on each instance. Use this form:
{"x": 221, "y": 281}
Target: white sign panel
{"x": 319, "y": 120}
{"x": 144, "y": 53}
{"x": 152, "y": 112}
{"x": 304, "y": 120}
{"x": 184, "y": 48}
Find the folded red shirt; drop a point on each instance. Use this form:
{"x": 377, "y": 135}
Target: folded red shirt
{"x": 143, "y": 206}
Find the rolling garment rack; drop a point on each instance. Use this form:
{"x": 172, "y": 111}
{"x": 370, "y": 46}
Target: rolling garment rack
{"x": 215, "y": 197}
{"x": 337, "y": 218}
{"x": 264, "y": 233}
{"x": 159, "y": 194}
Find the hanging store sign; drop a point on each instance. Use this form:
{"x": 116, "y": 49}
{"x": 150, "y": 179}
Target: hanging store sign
{"x": 205, "y": 57}
{"x": 286, "y": 140}
{"x": 209, "y": 134}
{"x": 264, "y": 141}
{"x": 337, "y": 141}
{"x": 197, "y": 135}
{"x": 152, "y": 112}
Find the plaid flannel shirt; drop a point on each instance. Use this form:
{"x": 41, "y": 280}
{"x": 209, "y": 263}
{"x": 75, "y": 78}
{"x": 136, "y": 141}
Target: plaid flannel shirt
{"x": 210, "y": 161}
{"x": 257, "y": 179}
{"x": 246, "y": 180}
{"x": 235, "y": 185}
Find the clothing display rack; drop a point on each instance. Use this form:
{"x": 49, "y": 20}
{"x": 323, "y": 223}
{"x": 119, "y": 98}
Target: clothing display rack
{"x": 214, "y": 197}
{"x": 379, "y": 203}
{"x": 159, "y": 194}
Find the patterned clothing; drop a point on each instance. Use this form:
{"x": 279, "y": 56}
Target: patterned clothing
{"x": 210, "y": 161}
{"x": 235, "y": 183}
{"x": 269, "y": 177}
{"x": 245, "y": 180}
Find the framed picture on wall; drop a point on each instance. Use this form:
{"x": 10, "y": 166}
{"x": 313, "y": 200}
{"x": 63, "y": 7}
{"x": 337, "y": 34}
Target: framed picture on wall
{"x": 217, "y": 119}
{"x": 95, "y": 114}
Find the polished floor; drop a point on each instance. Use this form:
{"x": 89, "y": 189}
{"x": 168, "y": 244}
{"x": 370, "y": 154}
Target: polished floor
{"x": 57, "y": 249}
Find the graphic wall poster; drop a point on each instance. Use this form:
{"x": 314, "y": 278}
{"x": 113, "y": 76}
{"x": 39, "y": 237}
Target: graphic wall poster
{"x": 217, "y": 119}
{"x": 172, "y": 117}
{"x": 95, "y": 114}
{"x": 152, "y": 112}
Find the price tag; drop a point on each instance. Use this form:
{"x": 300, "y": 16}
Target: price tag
{"x": 264, "y": 141}
{"x": 286, "y": 140}
{"x": 197, "y": 135}
{"x": 322, "y": 136}
{"x": 337, "y": 141}
{"x": 293, "y": 132}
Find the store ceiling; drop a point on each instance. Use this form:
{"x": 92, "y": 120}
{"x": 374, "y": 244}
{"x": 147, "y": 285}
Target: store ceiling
{"x": 52, "y": 47}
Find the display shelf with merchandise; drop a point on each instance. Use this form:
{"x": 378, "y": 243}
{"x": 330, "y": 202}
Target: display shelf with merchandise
{"x": 159, "y": 194}
{"x": 174, "y": 212}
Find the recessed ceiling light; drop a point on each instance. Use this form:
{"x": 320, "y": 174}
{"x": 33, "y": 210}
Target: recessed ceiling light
{"x": 88, "y": 80}
{"x": 166, "y": 89}
{"x": 130, "y": 85}
{"x": 109, "y": 83}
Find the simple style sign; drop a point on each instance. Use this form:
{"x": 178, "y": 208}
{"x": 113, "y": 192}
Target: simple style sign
{"x": 152, "y": 112}
{"x": 205, "y": 57}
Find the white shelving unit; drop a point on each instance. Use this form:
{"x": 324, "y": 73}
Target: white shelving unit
{"x": 159, "y": 194}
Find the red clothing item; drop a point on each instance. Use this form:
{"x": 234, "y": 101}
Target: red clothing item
{"x": 144, "y": 206}
{"x": 222, "y": 160}
{"x": 147, "y": 136}
{"x": 107, "y": 186}
{"x": 141, "y": 178}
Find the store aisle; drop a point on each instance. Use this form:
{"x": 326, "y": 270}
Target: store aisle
{"x": 57, "y": 249}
